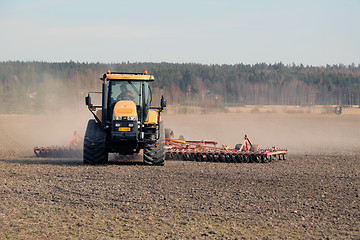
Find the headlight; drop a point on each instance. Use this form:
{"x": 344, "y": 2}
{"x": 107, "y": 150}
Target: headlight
{"x": 131, "y": 125}
{"x": 132, "y": 118}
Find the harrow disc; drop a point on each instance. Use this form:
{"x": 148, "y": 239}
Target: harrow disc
{"x": 206, "y": 151}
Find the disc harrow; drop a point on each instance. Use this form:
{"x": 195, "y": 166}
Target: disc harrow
{"x": 207, "y": 151}
{"x": 70, "y": 150}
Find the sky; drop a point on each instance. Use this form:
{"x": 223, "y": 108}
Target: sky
{"x": 309, "y": 32}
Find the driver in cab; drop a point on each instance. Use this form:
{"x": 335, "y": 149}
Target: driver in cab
{"x": 125, "y": 94}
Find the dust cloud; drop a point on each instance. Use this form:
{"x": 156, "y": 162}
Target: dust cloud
{"x": 56, "y": 111}
{"x": 299, "y": 133}
{"x": 21, "y": 133}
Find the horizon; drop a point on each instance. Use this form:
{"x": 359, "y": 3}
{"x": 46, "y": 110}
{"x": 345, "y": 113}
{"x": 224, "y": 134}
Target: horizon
{"x": 190, "y": 63}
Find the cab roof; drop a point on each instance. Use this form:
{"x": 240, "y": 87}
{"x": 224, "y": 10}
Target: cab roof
{"x": 128, "y": 76}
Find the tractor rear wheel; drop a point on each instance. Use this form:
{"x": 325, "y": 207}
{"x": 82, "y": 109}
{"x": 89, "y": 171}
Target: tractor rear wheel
{"x": 154, "y": 153}
{"x": 94, "y": 144}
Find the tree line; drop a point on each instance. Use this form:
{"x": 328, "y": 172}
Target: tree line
{"x": 36, "y": 87}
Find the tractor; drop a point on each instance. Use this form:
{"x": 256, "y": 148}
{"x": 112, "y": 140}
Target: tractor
{"x": 125, "y": 123}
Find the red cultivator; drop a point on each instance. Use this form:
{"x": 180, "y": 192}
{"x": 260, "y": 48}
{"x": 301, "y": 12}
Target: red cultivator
{"x": 207, "y": 151}
{"x": 71, "y": 150}
{"x": 183, "y": 150}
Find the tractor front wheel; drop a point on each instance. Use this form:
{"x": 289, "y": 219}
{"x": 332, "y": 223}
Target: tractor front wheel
{"x": 154, "y": 152}
{"x": 94, "y": 144}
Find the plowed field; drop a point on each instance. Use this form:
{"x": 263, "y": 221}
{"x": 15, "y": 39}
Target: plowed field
{"x": 313, "y": 194}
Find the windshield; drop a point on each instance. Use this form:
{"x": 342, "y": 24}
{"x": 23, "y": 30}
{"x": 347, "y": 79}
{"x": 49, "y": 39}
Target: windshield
{"x": 128, "y": 90}
{"x": 125, "y": 91}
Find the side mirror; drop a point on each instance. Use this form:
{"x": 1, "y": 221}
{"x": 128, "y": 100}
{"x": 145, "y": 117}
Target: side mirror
{"x": 88, "y": 100}
{"x": 162, "y": 103}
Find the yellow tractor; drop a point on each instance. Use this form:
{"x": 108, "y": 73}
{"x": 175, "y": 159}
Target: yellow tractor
{"x": 125, "y": 122}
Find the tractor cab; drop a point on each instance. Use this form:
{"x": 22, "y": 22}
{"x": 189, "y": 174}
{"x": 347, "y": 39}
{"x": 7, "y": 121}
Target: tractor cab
{"x": 135, "y": 91}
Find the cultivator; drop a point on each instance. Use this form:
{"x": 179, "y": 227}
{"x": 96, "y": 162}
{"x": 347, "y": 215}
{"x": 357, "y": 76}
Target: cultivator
{"x": 70, "y": 150}
{"x": 208, "y": 152}
{"x": 183, "y": 150}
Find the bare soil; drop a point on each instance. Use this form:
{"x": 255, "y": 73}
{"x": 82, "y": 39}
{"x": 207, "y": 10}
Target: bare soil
{"x": 313, "y": 194}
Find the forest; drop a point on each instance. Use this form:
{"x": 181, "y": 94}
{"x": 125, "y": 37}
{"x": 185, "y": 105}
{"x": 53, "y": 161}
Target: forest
{"x": 41, "y": 87}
